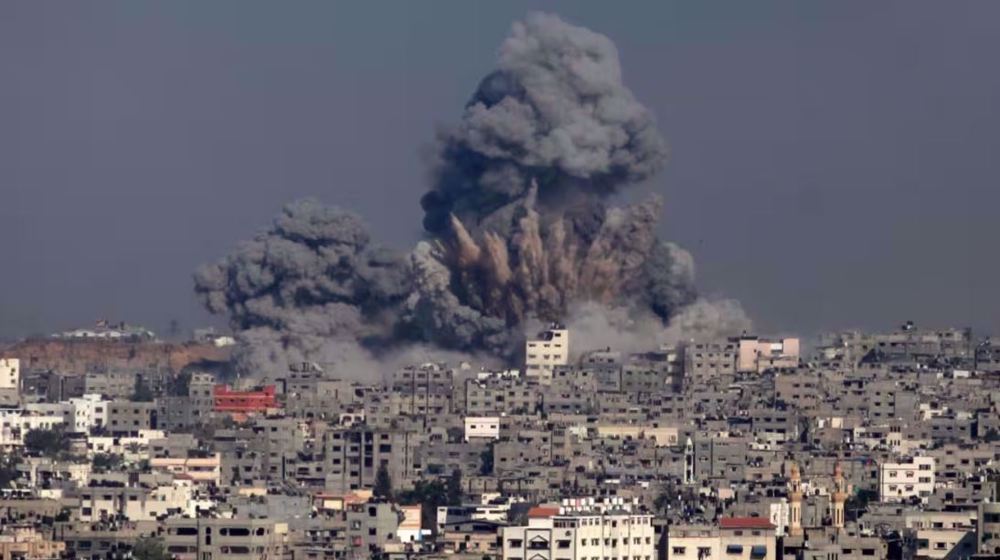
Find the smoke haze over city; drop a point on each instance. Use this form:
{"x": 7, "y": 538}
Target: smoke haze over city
{"x": 822, "y": 182}
{"x": 519, "y": 231}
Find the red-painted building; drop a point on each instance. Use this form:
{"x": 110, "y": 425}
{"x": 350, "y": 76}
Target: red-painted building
{"x": 227, "y": 400}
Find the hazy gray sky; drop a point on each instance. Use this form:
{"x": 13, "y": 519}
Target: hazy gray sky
{"x": 831, "y": 166}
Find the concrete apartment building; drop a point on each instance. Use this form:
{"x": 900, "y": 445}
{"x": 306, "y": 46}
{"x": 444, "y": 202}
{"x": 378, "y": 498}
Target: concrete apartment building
{"x": 499, "y": 394}
{"x": 906, "y": 344}
{"x": 310, "y": 393}
{"x": 547, "y": 351}
{"x": 756, "y": 355}
{"x": 693, "y": 542}
{"x": 482, "y": 427}
{"x": 127, "y": 417}
{"x": 10, "y": 374}
{"x": 426, "y": 390}
{"x": 203, "y": 470}
{"x": 99, "y": 503}
{"x": 225, "y": 539}
{"x": 710, "y": 359}
{"x": 938, "y": 544}
{"x": 579, "y": 530}
{"x": 353, "y": 456}
{"x": 747, "y": 538}
{"x": 24, "y": 541}
{"x": 910, "y": 479}
{"x": 800, "y": 390}
{"x": 113, "y": 385}
{"x": 988, "y": 528}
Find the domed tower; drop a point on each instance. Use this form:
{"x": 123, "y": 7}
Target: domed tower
{"x": 840, "y": 491}
{"x": 794, "y": 499}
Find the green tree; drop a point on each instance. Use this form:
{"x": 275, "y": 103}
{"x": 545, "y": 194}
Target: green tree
{"x": 8, "y": 469}
{"x": 857, "y": 504}
{"x": 454, "y": 491}
{"x": 150, "y": 548}
{"x": 673, "y": 496}
{"x": 106, "y": 461}
{"x": 47, "y": 443}
{"x": 180, "y": 384}
{"x": 430, "y": 495}
{"x": 486, "y": 461}
{"x": 383, "y": 483}
{"x": 666, "y": 498}
{"x": 142, "y": 392}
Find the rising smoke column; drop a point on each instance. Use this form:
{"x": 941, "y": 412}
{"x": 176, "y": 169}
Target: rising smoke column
{"x": 519, "y": 213}
{"x": 519, "y": 225}
{"x": 312, "y": 287}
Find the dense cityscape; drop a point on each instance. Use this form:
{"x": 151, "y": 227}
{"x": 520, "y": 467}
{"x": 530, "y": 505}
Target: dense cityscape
{"x": 530, "y": 367}
{"x": 870, "y": 445}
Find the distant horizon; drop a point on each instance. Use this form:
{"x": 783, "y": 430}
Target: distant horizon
{"x": 186, "y": 334}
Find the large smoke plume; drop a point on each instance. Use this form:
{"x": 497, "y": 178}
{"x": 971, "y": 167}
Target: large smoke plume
{"x": 519, "y": 212}
{"x": 520, "y": 227}
{"x": 313, "y": 285}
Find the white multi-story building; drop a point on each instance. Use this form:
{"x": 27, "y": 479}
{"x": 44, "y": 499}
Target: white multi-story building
{"x": 10, "y": 373}
{"x": 898, "y": 482}
{"x": 87, "y": 412}
{"x": 473, "y": 512}
{"x": 15, "y": 424}
{"x": 543, "y": 354}
{"x": 582, "y": 529}
{"x": 487, "y": 427}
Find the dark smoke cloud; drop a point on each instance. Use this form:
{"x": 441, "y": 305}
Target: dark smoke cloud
{"x": 519, "y": 224}
{"x": 554, "y": 112}
{"x": 437, "y": 314}
{"x": 519, "y": 212}
{"x": 313, "y": 286}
